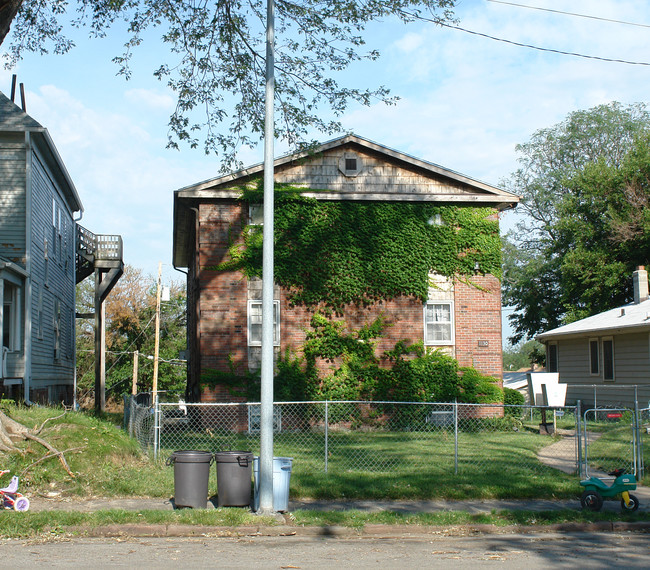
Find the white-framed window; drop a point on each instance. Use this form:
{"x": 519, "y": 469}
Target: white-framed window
{"x": 38, "y": 291}
{"x": 46, "y": 260}
{"x": 57, "y": 329}
{"x": 552, "y": 357}
{"x": 255, "y": 323}
{"x": 256, "y": 214}
{"x": 594, "y": 357}
{"x": 439, "y": 323}
{"x": 11, "y": 317}
{"x": 608, "y": 359}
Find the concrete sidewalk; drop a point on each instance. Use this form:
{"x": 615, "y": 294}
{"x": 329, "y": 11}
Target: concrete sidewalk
{"x": 420, "y": 506}
{"x": 285, "y": 526}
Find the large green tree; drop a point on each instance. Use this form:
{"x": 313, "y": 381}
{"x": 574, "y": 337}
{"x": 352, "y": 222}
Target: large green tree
{"x": 569, "y": 258}
{"x": 130, "y": 327}
{"x": 216, "y": 60}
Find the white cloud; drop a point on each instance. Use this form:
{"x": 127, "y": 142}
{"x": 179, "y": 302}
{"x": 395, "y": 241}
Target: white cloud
{"x": 151, "y": 99}
{"x": 466, "y": 102}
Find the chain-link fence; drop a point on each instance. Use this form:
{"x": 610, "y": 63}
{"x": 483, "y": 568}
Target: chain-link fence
{"x": 391, "y": 437}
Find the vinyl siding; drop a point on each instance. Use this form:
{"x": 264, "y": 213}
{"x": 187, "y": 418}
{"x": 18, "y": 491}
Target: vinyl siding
{"x": 631, "y": 366}
{"x": 53, "y": 278}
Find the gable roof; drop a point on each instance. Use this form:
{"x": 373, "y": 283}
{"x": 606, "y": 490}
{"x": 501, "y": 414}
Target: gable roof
{"x": 215, "y": 187}
{"x": 14, "y": 120}
{"x": 451, "y": 186}
{"x": 634, "y": 317}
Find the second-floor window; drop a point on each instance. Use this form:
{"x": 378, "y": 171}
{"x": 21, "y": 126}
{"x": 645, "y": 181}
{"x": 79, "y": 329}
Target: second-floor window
{"x": 255, "y": 323}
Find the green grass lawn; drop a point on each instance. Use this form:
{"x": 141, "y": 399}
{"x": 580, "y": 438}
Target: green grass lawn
{"x": 362, "y": 465}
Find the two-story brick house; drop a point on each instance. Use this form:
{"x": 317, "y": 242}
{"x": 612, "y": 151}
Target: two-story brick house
{"x": 462, "y": 314}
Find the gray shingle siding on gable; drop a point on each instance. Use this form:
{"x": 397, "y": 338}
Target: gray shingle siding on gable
{"x": 12, "y": 197}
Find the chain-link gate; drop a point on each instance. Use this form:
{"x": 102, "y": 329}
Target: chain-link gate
{"x": 610, "y": 439}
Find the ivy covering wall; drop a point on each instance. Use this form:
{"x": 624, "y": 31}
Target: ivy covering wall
{"x": 334, "y": 253}
{"x": 341, "y": 252}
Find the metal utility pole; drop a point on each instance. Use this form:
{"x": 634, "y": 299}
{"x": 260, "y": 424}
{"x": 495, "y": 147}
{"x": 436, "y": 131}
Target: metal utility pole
{"x": 266, "y": 426}
{"x": 156, "y": 353}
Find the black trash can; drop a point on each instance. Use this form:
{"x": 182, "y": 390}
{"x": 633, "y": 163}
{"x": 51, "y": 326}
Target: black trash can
{"x": 234, "y": 476}
{"x": 191, "y": 476}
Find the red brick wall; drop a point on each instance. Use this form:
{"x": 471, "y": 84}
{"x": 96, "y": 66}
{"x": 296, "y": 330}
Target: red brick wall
{"x": 478, "y": 324}
{"x": 222, "y": 334}
{"x": 222, "y": 295}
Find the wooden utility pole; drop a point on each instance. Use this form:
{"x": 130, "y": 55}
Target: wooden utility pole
{"x": 134, "y": 385}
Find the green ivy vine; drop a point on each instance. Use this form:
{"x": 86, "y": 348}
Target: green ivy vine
{"x": 340, "y": 252}
{"x": 410, "y": 373}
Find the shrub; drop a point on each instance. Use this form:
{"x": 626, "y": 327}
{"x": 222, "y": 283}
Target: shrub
{"x": 513, "y": 399}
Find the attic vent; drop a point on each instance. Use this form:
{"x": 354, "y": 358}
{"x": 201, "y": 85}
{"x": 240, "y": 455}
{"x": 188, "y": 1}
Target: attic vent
{"x": 350, "y": 164}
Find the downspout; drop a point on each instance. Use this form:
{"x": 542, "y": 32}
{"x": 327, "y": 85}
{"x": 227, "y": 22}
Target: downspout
{"x": 28, "y": 267}
{"x": 193, "y": 339}
{"x": 74, "y": 319}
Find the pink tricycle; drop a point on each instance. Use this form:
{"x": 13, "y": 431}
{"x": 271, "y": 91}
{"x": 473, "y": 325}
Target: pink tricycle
{"x": 10, "y": 498}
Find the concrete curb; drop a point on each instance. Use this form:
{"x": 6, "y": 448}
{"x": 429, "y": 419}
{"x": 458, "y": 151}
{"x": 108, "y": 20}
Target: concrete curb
{"x": 368, "y": 531}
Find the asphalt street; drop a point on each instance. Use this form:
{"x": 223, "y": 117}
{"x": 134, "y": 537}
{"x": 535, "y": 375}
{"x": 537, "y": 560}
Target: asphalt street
{"x": 436, "y": 550}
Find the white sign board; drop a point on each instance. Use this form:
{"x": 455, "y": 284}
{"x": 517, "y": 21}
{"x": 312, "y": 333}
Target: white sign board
{"x": 554, "y": 395}
{"x": 535, "y": 381}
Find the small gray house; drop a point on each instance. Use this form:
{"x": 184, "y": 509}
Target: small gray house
{"x": 43, "y": 254}
{"x": 606, "y": 357}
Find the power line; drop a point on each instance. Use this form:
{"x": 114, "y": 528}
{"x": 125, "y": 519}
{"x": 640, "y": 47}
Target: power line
{"x": 550, "y": 50}
{"x": 571, "y": 14}
{"x": 519, "y": 44}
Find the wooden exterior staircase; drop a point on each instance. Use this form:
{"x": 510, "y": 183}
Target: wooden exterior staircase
{"x": 100, "y": 255}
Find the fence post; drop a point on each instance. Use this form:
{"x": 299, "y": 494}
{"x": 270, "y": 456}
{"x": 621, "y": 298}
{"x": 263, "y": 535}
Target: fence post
{"x": 579, "y": 438}
{"x": 638, "y": 455}
{"x": 456, "y": 437}
{"x": 326, "y": 433}
{"x": 156, "y": 425}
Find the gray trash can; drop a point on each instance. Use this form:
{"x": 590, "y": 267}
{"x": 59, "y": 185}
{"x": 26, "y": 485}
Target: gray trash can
{"x": 281, "y": 481}
{"x": 234, "y": 470}
{"x": 191, "y": 476}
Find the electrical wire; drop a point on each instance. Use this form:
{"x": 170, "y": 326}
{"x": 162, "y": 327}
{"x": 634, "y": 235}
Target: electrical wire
{"x": 519, "y": 44}
{"x": 571, "y": 14}
{"x": 550, "y": 50}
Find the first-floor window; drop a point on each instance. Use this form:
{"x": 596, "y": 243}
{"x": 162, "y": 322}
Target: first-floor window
{"x": 11, "y": 317}
{"x": 552, "y": 357}
{"x": 255, "y": 323}
{"x": 57, "y": 329}
{"x": 608, "y": 359}
{"x": 594, "y": 357}
{"x": 439, "y": 323}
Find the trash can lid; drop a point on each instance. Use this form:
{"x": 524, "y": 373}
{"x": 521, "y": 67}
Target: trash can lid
{"x": 232, "y": 456}
{"x": 191, "y": 456}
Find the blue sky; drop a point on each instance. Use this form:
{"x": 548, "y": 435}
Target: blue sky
{"x": 466, "y": 101}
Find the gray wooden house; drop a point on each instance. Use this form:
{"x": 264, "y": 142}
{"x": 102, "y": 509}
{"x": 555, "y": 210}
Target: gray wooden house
{"x": 605, "y": 358}
{"x": 41, "y": 246}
